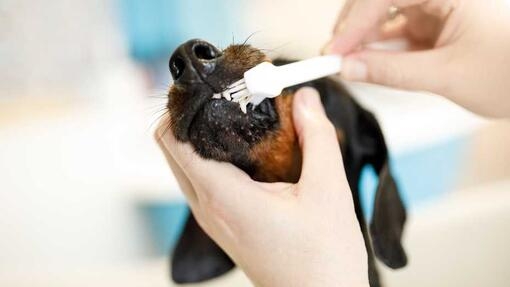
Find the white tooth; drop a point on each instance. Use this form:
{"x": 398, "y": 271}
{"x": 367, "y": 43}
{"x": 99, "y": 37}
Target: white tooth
{"x": 243, "y": 106}
{"x": 216, "y": 96}
{"x": 243, "y": 103}
{"x": 240, "y": 97}
{"x": 226, "y": 95}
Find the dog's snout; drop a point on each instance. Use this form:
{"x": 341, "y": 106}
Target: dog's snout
{"x": 177, "y": 67}
{"x": 205, "y": 51}
{"x": 193, "y": 61}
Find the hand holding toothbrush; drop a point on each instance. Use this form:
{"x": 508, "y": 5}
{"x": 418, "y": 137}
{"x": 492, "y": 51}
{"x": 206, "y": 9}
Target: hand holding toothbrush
{"x": 458, "y": 48}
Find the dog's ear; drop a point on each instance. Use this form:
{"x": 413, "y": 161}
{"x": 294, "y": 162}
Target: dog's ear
{"x": 388, "y": 222}
{"x": 197, "y": 257}
{"x": 389, "y": 213}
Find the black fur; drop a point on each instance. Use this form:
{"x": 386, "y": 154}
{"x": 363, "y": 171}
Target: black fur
{"x": 196, "y": 257}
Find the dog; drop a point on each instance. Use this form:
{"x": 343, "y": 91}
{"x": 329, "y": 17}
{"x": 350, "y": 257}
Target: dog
{"x": 262, "y": 142}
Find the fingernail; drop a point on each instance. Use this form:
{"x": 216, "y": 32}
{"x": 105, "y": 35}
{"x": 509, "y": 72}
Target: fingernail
{"x": 309, "y": 99}
{"x": 354, "y": 69}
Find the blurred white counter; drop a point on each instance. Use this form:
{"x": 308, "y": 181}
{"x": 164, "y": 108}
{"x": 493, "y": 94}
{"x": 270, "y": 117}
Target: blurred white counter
{"x": 459, "y": 242}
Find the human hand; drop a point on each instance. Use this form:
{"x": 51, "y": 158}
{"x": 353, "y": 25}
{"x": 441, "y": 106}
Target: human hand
{"x": 280, "y": 234}
{"x": 457, "y": 48}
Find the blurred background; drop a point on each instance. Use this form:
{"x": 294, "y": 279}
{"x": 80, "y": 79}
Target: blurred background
{"x": 86, "y": 198}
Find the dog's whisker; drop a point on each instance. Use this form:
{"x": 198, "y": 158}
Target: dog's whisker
{"x": 157, "y": 119}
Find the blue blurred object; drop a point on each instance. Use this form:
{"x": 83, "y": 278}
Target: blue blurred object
{"x": 165, "y": 220}
{"x": 422, "y": 176}
{"x": 154, "y": 28}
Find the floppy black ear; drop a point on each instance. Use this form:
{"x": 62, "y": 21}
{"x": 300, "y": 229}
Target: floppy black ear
{"x": 389, "y": 213}
{"x": 197, "y": 257}
{"x": 388, "y": 222}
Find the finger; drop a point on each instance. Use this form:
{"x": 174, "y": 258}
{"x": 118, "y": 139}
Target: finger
{"x": 439, "y": 8}
{"x": 317, "y": 138}
{"x": 393, "y": 29}
{"x": 421, "y": 70}
{"x": 363, "y": 16}
{"x": 346, "y": 9}
{"x": 182, "y": 179}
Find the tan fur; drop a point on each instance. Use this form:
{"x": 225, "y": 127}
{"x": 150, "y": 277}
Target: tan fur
{"x": 278, "y": 157}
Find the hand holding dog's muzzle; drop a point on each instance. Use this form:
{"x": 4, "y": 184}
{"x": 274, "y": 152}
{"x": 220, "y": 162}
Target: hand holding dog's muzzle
{"x": 305, "y": 232}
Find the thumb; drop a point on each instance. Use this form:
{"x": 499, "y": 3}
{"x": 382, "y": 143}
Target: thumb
{"x": 317, "y": 138}
{"x": 421, "y": 70}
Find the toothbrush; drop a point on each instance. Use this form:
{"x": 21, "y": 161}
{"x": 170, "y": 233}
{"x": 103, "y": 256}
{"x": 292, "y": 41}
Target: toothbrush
{"x": 267, "y": 81}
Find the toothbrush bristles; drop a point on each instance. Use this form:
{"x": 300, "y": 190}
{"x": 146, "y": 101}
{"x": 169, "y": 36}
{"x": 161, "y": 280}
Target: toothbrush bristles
{"x": 240, "y": 94}
{"x": 237, "y": 88}
{"x": 236, "y": 83}
{"x": 236, "y": 92}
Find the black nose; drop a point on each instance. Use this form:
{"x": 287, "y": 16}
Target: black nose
{"x": 193, "y": 61}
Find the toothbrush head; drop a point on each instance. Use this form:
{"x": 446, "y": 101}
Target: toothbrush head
{"x": 236, "y": 92}
{"x": 258, "y": 83}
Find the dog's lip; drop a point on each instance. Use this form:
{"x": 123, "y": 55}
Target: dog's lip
{"x": 212, "y": 89}
{"x": 204, "y": 100}
{"x": 194, "y": 112}
{"x": 213, "y": 101}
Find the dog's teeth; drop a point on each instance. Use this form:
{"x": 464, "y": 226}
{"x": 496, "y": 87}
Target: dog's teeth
{"x": 237, "y": 92}
{"x": 243, "y": 103}
{"x": 243, "y": 106}
{"x": 226, "y": 95}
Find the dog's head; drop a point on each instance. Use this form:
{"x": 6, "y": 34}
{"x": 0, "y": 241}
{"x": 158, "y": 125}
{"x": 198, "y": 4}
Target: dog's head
{"x": 217, "y": 128}
{"x": 263, "y": 143}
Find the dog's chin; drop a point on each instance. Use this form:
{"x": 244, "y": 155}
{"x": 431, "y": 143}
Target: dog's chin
{"x": 221, "y": 131}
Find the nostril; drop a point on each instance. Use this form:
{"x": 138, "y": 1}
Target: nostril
{"x": 192, "y": 61}
{"x": 204, "y": 52}
{"x": 177, "y": 66}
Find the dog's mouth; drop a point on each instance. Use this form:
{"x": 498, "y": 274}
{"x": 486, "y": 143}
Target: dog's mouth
{"x": 216, "y": 127}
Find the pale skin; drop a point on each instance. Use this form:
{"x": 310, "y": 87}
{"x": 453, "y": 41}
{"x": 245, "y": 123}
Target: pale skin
{"x": 460, "y": 49}
{"x": 284, "y": 234}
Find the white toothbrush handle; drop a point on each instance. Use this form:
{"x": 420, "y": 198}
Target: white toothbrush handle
{"x": 267, "y": 81}
{"x": 307, "y": 70}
